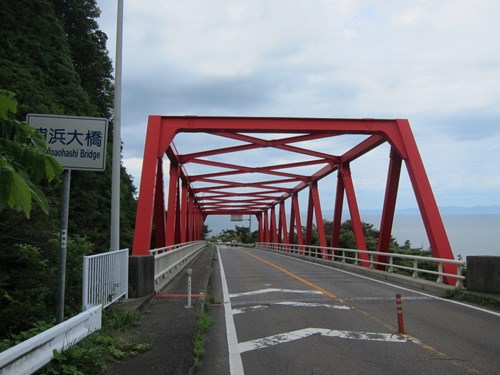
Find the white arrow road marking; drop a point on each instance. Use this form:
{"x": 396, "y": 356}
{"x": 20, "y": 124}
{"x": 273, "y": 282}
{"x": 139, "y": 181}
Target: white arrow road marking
{"x": 289, "y": 303}
{"x": 303, "y": 333}
{"x": 273, "y": 290}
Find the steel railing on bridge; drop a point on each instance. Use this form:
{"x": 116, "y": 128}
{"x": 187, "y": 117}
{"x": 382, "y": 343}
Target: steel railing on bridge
{"x": 170, "y": 260}
{"x": 375, "y": 258}
{"x": 105, "y": 278}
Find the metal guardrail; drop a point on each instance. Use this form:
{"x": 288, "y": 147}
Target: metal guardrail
{"x": 344, "y": 256}
{"x": 170, "y": 260}
{"x": 105, "y": 278}
{"x": 34, "y": 353}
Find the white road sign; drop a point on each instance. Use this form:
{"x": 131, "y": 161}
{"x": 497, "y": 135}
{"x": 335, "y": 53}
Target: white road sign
{"x": 75, "y": 142}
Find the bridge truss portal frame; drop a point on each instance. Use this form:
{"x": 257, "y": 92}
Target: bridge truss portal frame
{"x": 182, "y": 220}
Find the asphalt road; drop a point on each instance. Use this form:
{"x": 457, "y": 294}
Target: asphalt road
{"x": 280, "y": 315}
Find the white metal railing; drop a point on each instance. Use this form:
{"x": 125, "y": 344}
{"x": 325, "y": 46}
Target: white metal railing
{"x": 105, "y": 278}
{"x": 170, "y": 260}
{"x": 34, "y": 353}
{"x": 352, "y": 256}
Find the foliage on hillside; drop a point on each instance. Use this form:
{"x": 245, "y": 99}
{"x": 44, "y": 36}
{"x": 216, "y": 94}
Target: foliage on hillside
{"x": 54, "y": 58}
{"x": 24, "y": 165}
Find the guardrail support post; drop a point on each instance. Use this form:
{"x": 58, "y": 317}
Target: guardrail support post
{"x": 415, "y": 268}
{"x": 440, "y": 270}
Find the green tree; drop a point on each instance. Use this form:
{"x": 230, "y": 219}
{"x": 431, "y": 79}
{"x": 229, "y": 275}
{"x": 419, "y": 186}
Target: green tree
{"x": 54, "y": 56}
{"x": 88, "y": 49}
{"x": 64, "y": 68}
{"x": 23, "y": 162}
{"x": 36, "y": 60}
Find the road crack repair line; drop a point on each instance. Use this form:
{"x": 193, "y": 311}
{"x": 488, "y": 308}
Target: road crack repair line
{"x": 282, "y": 338}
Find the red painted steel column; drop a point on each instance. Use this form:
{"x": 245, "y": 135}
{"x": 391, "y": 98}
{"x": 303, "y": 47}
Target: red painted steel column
{"x": 172, "y": 203}
{"x": 191, "y": 217}
{"x": 260, "y": 233}
{"x": 319, "y": 220}
{"x": 178, "y": 214}
{"x": 199, "y": 224}
{"x": 184, "y": 212}
{"x": 291, "y": 230}
{"x": 274, "y": 233}
{"x": 354, "y": 211}
{"x": 337, "y": 212}
{"x": 159, "y": 207}
{"x": 267, "y": 235}
{"x": 145, "y": 203}
{"x": 429, "y": 210}
{"x": 309, "y": 220}
{"x": 391, "y": 193}
{"x": 283, "y": 236}
{"x": 298, "y": 222}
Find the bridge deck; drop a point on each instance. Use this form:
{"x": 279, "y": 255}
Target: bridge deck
{"x": 296, "y": 317}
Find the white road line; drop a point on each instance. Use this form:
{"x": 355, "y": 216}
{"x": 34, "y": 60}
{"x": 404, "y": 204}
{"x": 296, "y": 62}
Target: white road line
{"x": 273, "y": 290}
{"x": 288, "y": 303}
{"x": 396, "y": 286}
{"x": 303, "y": 333}
{"x": 235, "y": 364}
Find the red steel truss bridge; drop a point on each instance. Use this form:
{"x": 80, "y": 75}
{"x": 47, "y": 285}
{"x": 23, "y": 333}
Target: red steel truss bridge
{"x": 232, "y": 184}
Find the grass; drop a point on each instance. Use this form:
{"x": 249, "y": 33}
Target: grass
{"x": 203, "y": 323}
{"x": 476, "y": 298}
{"x": 93, "y": 354}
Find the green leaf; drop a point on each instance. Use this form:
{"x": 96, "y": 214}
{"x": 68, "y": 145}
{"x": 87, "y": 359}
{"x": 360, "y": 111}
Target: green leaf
{"x": 52, "y": 168}
{"x": 20, "y": 195}
{"x": 7, "y": 103}
{"x": 38, "y": 195}
{"x": 6, "y": 178}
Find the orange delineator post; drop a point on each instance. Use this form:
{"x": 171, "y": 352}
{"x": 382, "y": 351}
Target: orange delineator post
{"x": 399, "y": 312}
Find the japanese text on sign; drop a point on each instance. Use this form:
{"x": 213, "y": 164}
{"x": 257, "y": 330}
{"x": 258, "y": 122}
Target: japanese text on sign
{"x": 76, "y": 142}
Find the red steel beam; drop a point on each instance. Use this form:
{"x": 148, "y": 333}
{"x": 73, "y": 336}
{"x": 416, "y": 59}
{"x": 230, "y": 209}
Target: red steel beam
{"x": 389, "y": 209}
{"x": 162, "y": 130}
{"x": 354, "y": 212}
{"x": 319, "y": 219}
{"x": 283, "y": 235}
{"x": 433, "y": 223}
{"x": 172, "y": 205}
{"x": 159, "y": 207}
{"x": 337, "y": 211}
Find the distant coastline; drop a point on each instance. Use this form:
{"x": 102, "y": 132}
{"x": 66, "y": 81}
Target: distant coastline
{"x": 471, "y": 230}
{"x": 445, "y": 210}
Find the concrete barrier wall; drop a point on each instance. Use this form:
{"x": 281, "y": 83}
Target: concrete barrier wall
{"x": 141, "y": 276}
{"x": 483, "y": 274}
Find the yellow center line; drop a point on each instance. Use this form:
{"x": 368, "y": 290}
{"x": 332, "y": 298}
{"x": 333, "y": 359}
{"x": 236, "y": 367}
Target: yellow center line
{"x": 291, "y": 274}
{"x": 414, "y": 340}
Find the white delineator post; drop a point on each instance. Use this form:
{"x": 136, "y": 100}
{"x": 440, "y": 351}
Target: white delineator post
{"x": 189, "y": 272}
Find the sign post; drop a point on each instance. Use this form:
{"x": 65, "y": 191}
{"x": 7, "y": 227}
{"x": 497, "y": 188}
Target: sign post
{"x": 76, "y": 143}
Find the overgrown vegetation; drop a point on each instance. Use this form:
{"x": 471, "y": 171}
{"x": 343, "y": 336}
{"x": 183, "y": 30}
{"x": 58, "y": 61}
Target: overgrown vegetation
{"x": 93, "y": 354}
{"x": 54, "y": 58}
{"x": 476, "y": 298}
{"x": 203, "y": 321}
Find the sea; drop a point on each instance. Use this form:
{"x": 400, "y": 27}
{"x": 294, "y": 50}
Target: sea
{"x": 469, "y": 234}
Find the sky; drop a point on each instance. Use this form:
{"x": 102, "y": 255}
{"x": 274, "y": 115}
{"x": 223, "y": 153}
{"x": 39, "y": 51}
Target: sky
{"x": 435, "y": 63}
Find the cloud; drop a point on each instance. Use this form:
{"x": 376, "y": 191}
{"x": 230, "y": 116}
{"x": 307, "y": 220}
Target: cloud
{"x": 435, "y": 63}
